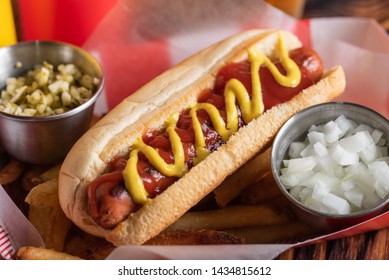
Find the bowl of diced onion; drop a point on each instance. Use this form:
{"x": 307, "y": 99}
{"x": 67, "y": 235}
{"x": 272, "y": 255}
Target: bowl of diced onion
{"x": 331, "y": 162}
{"x": 48, "y": 90}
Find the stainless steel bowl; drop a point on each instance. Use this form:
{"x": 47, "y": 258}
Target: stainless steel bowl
{"x": 45, "y": 139}
{"x": 296, "y": 129}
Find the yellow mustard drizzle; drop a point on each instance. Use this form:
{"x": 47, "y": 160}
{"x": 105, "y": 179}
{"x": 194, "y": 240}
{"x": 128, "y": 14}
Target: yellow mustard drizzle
{"x": 235, "y": 92}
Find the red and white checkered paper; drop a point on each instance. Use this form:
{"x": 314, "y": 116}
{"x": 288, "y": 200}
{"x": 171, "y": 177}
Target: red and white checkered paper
{"x": 15, "y": 229}
{"x": 6, "y": 247}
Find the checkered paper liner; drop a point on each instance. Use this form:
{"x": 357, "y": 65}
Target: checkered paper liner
{"x": 6, "y": 247}
{"x": 15, "y": 229}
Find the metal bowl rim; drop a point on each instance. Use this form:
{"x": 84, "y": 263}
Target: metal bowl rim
{"x": 72, "y": 111}
{"x": 292, "y": 121}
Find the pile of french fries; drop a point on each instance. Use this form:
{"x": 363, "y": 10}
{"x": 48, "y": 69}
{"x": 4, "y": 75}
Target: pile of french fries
{"x": 251, "y": 206}
{"x": 246, "y": 208}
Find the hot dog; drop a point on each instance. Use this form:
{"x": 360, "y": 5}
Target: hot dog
{"x": 167, "y": 146}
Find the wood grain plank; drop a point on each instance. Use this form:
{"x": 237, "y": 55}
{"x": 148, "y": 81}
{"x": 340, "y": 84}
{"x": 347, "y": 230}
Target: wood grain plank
{"x": 287, "y": 255}
{"x": 378, "y": 247}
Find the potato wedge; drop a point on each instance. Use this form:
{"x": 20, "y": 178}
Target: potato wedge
{"x": 44, "y": 195}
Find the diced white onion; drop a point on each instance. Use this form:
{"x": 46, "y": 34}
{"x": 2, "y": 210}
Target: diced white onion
{"x": 341, "y": 167}
{"x": 356, "y": 142}
{"x": 345, "y": 124}
{"x": 376, "y": 135}
{"x": 320, "y": 149}
{"x": 336, "y": 204}
{"x": 301, "y": 164}
{"x": 320, "y": 190}
{"x": 308, "y": 151}
{"x": 380, "y": 172}
{"x": 364, "y": 127}
{"x": 315, "y": 137}
{"x": 332, "y": 132}
{"x": 327, "y": 164}
{"x": 354, "y": 196}
{"x": 295, "y": 149}
{"x": 369, "y": 153}
{"x": 343, "y": 156}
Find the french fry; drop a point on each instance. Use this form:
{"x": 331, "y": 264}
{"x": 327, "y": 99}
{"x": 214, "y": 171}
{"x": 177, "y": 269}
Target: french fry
{"x": 36, "y": 253}
{"x": 52, "y": 225}
{"x": 195, "y": 237}
{"x": 261, "y": 191}
{"x": 87, "y": 246}
{"x": 38, "y": 174}
{"x": 11, "y": 172}
{"x": 50, "y": 174}
{"x": 274, "y": 234}
{"x": 39, "y": 217}
{"x": 56, "y": 230}
{"x": 249, "y": 173}
{"x": 31, "y": 175}
{"x": 279, "y": 201}
{"x": 235, "y": 216}
{"x": 44, "y": 195}
{"x": 264, "y": 218}
{"x": 46, "y": 214}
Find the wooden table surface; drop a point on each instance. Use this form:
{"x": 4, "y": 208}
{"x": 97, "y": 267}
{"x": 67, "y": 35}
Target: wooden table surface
{"x": 372, "y": 245}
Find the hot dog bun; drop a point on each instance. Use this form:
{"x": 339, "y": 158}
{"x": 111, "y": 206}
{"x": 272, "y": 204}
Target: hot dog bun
{"x": 147, "y": 109}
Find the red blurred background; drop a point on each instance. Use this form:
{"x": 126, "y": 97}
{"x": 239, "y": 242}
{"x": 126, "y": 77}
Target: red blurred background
{"x": 73, "y": 21}
{"x": 70, "y": 21}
